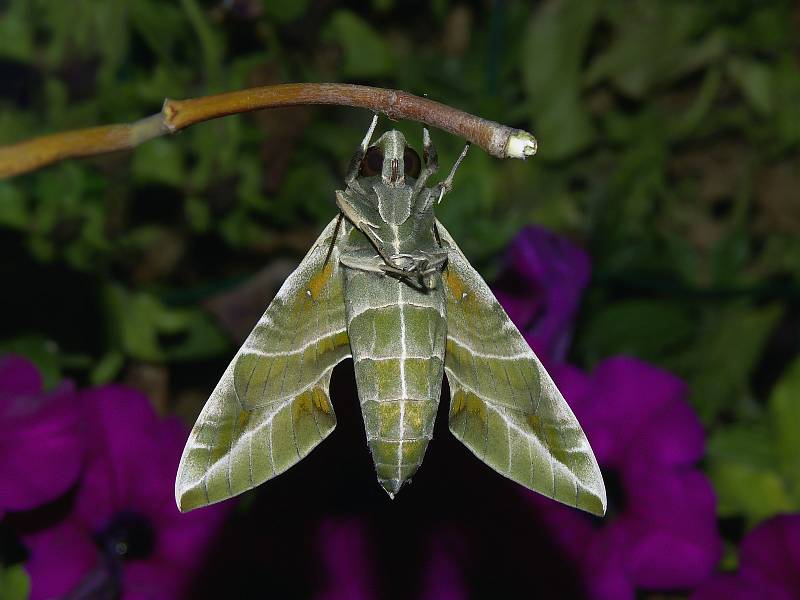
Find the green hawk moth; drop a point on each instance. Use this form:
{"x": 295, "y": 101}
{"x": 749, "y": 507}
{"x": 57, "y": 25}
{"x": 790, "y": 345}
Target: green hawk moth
{"x": 386, "y": 285}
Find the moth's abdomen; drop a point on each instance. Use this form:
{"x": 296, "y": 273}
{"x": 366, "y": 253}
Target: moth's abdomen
{"x": 397, "y": 336}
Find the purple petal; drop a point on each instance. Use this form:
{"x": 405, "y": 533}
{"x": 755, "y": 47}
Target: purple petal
{"x": 132, "y": 469}
{"x": 626, "y": 393}
{"x": 59, "y": 558}
{"x": 444, "y": 579}
{"x": 126, "y": 465}
{"x": 673, "y": 435}
{"x": 152, "y": 580}
{"x": 771, "y": 552}
{"x": 735, "y": 587}
{"x": 346, "y": 562}
{"x": 541, "y": 288}
{"x": 603, "y": 565}
{"x": 41, "y": 437}
{"x": 18, "y": 377}
{"x": 671, "y": 521}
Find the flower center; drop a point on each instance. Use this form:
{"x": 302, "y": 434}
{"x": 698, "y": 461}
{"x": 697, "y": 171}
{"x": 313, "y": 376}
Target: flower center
{"x": 128, "y": 535}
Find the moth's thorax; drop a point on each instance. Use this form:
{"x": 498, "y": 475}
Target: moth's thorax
{"x": 394, "y": 201}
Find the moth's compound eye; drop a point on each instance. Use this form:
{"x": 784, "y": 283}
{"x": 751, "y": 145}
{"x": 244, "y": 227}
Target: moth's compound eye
{"x": 411, "y": 162}
{"x": 372, "y": 163}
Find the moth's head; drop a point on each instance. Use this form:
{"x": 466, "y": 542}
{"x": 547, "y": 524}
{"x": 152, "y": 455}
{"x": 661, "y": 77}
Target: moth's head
{"x": 392, "y": 158}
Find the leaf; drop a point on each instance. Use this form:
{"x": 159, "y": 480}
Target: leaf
{"x": 719, "y": 365}
{"x": 743, "y": 469}
{"x": 754, "y": 78}
{"x": 784, "y": 407}
{"x": 42, "y": 351}
{"x": 554, "y": 45}
{"x": 653, "y": 44}
{"x": 159, "y": 161}
{"x": 365, "y": 52}
{"x": 649, "y": 329}
{"x": 145, "y": 329}
{"x": 14, "y": 583}
{"x": 14, "y": 211}
{"x": 284, "y": 11}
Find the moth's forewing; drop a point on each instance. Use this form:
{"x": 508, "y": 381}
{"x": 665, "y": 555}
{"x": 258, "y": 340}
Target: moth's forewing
{"x": 504, "y": 406}
{"x": 271, "y": 407}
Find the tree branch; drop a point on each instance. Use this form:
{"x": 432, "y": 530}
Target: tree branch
{"x": 498, "y": 140}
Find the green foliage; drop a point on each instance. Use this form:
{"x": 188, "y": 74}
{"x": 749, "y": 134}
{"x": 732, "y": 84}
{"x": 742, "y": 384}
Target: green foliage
{"x": 14, "y": 583}
{"x": 755, "y": 465}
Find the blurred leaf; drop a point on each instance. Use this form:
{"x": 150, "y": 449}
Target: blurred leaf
{"x": 648, "y": 329}
{"x": 787, "y": 101}
{"x": 365, "y": 52}
{"x": 784, "y": 406}
{"x": 145, "y": 329}
{"x": 743, "y": 469}
{"x": 159, "y": 161}
{"x": 42, "y": 351}
{"x": 284, "y": 11}
{"x": 16, "y": 32}
{"x": 653, "y": 44}
{"x": 720, "y": 364}
{"x": 552, "y": 54}
{"x": 756, "y": 494}
{"x": 754, "y": 78}
{"x": 107, "y": 368}
{"x": 14, "y": 211}
{"x": 14, "y": 583}
{"x": 755, "y": 467}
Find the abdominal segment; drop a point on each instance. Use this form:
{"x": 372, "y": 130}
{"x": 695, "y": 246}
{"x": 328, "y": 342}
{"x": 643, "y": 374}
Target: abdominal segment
{"x": 397, "y": 336}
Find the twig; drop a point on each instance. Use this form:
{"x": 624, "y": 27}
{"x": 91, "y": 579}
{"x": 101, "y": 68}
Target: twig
{"x": 498, "y": 140}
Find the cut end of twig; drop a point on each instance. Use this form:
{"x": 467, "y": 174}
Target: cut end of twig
{"x": 521, "y": 144}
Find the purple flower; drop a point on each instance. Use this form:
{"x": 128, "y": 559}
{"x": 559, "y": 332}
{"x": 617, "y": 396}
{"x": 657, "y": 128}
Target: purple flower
{"x": 769, "y": 565}
{"x": 661, "y": 531}
{"x": 541, "y": 286}
{"x": 124, "y": 532}
{"x": 41, "y": 442}
{"x": 343, "y": 545}
{"x": 348, "y": 561}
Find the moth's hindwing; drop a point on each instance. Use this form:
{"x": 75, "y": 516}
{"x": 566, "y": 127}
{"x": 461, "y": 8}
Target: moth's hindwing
{"x": 503, "y": 404}
{"x": 271, "y": 407}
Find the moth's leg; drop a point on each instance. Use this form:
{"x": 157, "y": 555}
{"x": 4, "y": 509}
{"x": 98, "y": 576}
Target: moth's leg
{"x": 431, "y": 159}
{"x": 371, "y": 265}
{"x": 436, "y": 234}
{"x": 445, "y": 186}
{"x": 333, "y": 239}
{"x": 364, "y": 226}
{"x": 355, "y": 162}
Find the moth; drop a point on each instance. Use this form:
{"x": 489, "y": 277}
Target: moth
{"x": 386, "y": 284}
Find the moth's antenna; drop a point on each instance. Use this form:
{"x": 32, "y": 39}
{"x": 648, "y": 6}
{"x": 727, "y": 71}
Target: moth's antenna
{"x": 447, "y": 184}
{"x": 355, "y": 162}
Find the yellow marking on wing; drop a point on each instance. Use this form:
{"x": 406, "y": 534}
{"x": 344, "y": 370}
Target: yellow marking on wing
{"x": 320, "y": 280}
{"x": 454, "y": 283}
{"x": 242, "y": 420}
{"x": 341, "y": 339}
{"x": 321, "y": 401}
{"x": 302, "y": 405}
{"x": 475, "y": 406}
{"x": 457, "y": 403}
